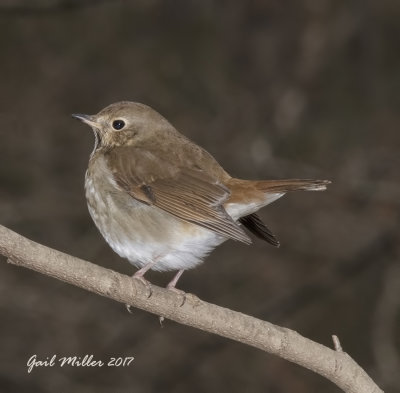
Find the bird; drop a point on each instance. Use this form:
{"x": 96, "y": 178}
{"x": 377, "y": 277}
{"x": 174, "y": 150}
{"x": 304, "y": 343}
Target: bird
{"x": 163, "y": 202}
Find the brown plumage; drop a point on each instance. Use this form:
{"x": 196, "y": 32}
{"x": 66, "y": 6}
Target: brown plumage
{"x": 162, "y": 201}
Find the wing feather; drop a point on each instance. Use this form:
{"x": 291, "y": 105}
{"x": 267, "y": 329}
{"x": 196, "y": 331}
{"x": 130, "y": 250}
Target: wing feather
{"x": 185, "y": 192}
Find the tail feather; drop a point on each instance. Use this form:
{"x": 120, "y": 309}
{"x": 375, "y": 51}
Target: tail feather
{"x": 248, "y": 196}
{"x": 291, "y": 185}
{"x": 261, "y": 191}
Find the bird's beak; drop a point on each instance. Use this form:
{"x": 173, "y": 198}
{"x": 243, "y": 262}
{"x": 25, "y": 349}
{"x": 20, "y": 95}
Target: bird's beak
{"x": 87, "y": 119}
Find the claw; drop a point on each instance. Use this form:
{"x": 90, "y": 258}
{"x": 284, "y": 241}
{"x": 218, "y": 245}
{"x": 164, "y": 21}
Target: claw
{"x": 179, "y": 292}
{"x": 144, "y": 282}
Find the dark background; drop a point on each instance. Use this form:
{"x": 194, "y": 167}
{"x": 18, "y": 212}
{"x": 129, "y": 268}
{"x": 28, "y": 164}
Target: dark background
{"x": 272, "y": 89}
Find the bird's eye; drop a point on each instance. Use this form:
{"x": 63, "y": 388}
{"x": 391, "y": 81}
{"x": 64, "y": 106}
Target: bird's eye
{"x": 118, "y": 124}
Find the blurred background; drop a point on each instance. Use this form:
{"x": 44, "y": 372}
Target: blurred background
{"x": 273, "y": 90}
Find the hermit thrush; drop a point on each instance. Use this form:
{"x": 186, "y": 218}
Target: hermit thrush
{"x": 163, "y": 202}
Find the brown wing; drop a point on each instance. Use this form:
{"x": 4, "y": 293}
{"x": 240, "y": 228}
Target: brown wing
{"x": 185, "y": 192}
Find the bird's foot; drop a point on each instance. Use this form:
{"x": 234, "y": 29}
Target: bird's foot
{"x": 139, "y": 276}
{"x": 171, "y": 287}
{"x": 179, "y": 292}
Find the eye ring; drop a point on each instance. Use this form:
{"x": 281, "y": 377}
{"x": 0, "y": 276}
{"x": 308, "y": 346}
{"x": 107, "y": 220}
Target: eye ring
{"x": 118, "y": 124}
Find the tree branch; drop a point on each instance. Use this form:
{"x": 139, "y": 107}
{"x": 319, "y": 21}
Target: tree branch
{"x": 336, "y": 366}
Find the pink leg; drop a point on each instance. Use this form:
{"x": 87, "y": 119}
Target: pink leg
{"x": 172, "y": 283}
{"x": 139, "y": 275}
{"x": 171, "y": 286}
{"x": 141, "y": 272}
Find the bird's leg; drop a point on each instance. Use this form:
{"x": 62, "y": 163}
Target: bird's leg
{"x": 172, "y": 283}
{"x": 171, "y": 286}
{"x": 139, "y": 275}
{"x": 141, "y": 272}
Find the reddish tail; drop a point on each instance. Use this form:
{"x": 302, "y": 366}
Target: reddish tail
{"x": 291, "y": 185}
